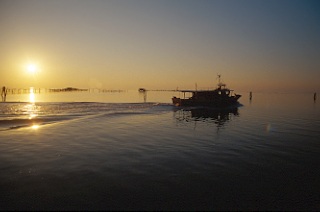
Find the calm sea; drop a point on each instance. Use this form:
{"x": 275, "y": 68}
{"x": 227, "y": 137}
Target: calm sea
{"x": 135, "y": 151}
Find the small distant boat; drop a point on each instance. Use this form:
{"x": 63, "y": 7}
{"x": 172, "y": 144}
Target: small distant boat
{"x": 142, "y": 90}
{"x": 219, "y": 97}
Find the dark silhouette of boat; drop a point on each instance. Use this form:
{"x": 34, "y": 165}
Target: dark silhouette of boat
{"x": 142, "y": 90}
{"x": 219, "y": 97}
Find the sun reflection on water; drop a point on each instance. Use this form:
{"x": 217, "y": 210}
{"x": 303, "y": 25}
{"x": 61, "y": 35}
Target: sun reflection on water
{"x": 31, "y": 108}
{"x": 35, "y": 126}
{"x": 31, "y": 96}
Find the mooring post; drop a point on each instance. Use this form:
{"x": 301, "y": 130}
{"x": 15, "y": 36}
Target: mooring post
{"x": 250, "y": 95}
{"x": 4, "y": 93}
{"x": 315, "y": 96}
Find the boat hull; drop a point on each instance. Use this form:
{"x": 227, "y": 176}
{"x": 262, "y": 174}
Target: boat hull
{"x": 216, "y": 102}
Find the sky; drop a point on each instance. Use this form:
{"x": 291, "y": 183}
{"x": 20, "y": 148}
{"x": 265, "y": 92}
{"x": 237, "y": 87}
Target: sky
{"x": 256, "y": 45}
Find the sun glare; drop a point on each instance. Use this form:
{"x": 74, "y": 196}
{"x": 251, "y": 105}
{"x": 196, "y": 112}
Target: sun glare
{"x": 32, "y": 68}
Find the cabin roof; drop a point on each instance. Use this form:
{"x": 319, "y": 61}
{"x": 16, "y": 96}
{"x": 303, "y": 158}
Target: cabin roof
{"x": 202, "y": 91}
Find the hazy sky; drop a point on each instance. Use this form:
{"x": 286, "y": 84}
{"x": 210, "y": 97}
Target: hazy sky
{"x": 255, "y": 44}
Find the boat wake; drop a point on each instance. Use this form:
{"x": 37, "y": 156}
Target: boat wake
{"x": 17, "y": 116}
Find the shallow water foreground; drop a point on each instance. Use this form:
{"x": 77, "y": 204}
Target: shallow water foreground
{"x": 145, "y": 156}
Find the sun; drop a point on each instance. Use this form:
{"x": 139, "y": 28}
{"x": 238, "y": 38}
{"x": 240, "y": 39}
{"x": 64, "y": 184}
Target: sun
{"x": 32, "y": 68}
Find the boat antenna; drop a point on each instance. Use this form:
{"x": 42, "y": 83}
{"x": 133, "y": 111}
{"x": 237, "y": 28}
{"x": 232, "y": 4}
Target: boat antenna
{"x": 219, "y": 77}
{"x": 220, "y": 84}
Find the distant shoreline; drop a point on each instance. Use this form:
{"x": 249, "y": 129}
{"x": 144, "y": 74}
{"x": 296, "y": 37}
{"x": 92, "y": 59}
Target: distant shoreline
{"x": 49, "y": 90}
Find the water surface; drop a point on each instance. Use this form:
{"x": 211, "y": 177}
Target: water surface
{"x": 123, "y": 151}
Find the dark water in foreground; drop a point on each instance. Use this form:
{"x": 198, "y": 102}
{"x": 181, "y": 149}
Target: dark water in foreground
{"x": 263, "y": 155}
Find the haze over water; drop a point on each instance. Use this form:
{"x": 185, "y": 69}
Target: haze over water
{"x": 102, "y": 155}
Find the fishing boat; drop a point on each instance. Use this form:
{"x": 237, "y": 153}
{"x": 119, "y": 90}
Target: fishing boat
{"x": 219, "y": 97}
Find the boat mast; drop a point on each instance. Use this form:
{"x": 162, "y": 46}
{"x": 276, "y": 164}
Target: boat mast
{"x": 220, "y": 84}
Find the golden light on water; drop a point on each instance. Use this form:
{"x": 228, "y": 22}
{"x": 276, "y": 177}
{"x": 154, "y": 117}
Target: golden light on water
{"x": 31, "y": 116}
{"x": 32, "y": 108}
{"x": 35, "y": 126}
{"x": 32, "y": 96}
